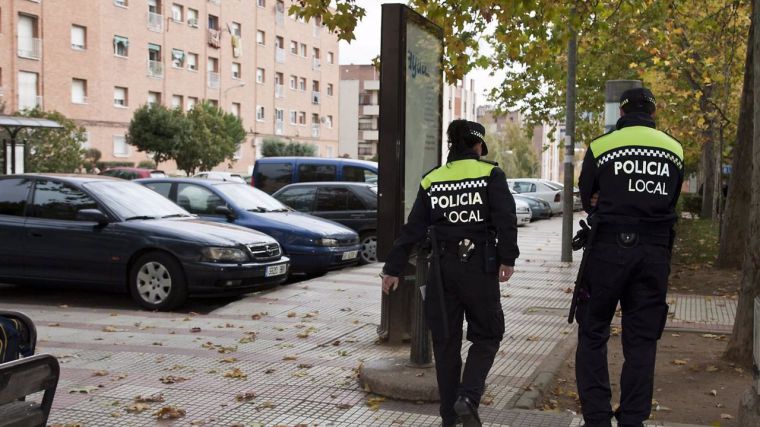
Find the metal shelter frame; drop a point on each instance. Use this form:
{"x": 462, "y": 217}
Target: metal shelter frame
{"x": 13, "y": 125}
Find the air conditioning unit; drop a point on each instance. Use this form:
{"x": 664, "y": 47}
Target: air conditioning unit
{"x": 235, "y": 75}
{"x": 192, "y": 67}
{"x": 193, "y": 22}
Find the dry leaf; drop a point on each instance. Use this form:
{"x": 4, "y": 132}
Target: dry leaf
{"x": 245, "y": 397}
{"x": 137, "y": 407}
{"x": 680, "y": 362}
{"x": 726, "y": 417}
{"x": 228, "y": 360}
{"x": 100, "y": 373}
{"x": 171, "y": 379}
{"x": 292, "y": 314}
{"x": 712, "y": 368}
{"x": 111, "y": 329}
{"x": 83, "y": 390}
{"x": 258, "y": 316}
{"x": 289, "y": 358}
{"x": 235, "y": 373}
{"x": 195, "y": 329}
{"x": 169, "y": 413}
{"x": 532, "y": 338}
{"x": 153, "y": 398}
{"x": 714, "y": 392}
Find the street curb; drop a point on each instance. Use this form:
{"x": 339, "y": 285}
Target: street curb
{"x": 546, "y": 372}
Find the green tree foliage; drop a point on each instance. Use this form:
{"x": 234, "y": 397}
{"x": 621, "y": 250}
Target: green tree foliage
{"x": 53, "y": 150}
{"x": 513, "y": 151}
{"x": 280, "y": 148}
{"x": 340, "y": 18}
{"x": 157, "y": 130}
{"x": 212, "y": 137}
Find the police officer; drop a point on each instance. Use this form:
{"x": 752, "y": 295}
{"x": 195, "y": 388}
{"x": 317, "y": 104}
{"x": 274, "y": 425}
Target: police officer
{"x": 629, "y": 184}
{"x": 468, "y": 212}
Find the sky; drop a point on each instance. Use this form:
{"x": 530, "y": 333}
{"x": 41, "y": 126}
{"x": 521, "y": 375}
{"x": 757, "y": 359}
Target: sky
{"x": 367, "y": 46}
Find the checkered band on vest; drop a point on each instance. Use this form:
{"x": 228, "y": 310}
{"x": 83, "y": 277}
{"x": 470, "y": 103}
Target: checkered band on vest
{"x": 456, "y": 186}
{"x": 644, "y": 152}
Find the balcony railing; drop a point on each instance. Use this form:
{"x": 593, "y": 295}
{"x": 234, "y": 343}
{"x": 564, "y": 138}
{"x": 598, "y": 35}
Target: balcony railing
{"x": 315, "y": 65}
{"x": 315, "y": 96}
{"x": 29, "y": 47}
{"x": 279, "y": 55}
{"x": 315, "y": 131}
{"x": 278, "y": 127}
{"x": 278, "y": 90}
{"x": 279, "y": 17}
{"x": 213, "y": 80}
{"x": 155, "y": 22}
{"x": 155, "y": 69}
{"x": 29, "y": 101}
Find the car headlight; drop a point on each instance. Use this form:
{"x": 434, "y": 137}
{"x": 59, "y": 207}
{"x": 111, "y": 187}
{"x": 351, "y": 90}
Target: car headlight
{"x": 327, "y": 242}
{"x": 225, "y": 254}
{"x": 523, "y": 210}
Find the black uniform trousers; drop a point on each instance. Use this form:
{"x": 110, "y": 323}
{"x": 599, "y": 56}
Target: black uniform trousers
{"x": 637, "y": 277}
{"x": 469, "y": 292}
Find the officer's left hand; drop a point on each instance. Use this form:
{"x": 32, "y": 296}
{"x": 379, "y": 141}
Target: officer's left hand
{"x": 390, "y": 283}
{"x": 505, "y": 272}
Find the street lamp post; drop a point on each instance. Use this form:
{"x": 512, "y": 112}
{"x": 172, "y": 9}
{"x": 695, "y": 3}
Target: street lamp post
{"x": 224, "y": 93}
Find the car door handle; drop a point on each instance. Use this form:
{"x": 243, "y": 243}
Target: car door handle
{"x": 34, "y": 234}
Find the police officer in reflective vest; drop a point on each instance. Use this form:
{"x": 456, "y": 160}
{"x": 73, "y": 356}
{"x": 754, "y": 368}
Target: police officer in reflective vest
{"x": 467, "y": 211}
{"x": 629, "y": 184}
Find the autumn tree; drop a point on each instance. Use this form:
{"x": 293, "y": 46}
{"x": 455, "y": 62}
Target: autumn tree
{"x": 513, "y": 151}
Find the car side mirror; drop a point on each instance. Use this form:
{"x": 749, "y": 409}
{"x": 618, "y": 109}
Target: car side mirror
{"x": 226, "y": 211}
{"x": 92, "y": 215}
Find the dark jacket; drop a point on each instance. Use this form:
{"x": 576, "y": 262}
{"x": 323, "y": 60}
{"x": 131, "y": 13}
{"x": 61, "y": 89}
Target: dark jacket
{"x": 465, "y": 198}
{"x": 637, "y": 171}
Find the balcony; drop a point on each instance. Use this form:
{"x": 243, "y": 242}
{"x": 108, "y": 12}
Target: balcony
{"x": 315, "y": 131}
{"x": 315, "y": 65}
{"x": 315, "y": 29}
{"x": 315, "y": 96}
{"x": 30, "y": 48}
{"x": 279, "y": 17}
{"x": 372, "y": 85}
{"x": 371, "y": 110}
{"x": 155, "y": 22}
{"x": 278, "y": 127}
{"x": 213, "y": 80}
{"x": 155, "y": 69}
{"x": 214, "y": 38}
{"x": 279, "y": 55}
{"x": 278, "y": 91}
{"x": 29, "y": 102}
{"x": 371, "y": 135}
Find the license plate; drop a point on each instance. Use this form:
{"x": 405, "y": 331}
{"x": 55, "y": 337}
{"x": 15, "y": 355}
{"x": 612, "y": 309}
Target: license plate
{"x": 350, "y": 255}
{"x": 276, "y": 270}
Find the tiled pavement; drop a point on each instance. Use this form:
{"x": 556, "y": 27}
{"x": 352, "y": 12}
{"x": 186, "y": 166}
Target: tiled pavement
{"x": 297, "y": 348}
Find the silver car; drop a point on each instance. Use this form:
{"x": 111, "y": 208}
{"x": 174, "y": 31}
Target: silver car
{"x": 538, "y": 188}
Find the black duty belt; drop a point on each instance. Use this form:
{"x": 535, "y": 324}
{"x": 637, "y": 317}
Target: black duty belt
{"x": 630, "y": 239}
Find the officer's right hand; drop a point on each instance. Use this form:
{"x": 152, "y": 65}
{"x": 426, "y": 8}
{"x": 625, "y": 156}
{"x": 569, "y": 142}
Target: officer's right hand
{"x": 594, "y": 200}
{"x": 390, "y": 283}
{"x": 505, "y": 273}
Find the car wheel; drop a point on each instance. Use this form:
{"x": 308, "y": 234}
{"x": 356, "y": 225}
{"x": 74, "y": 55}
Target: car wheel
{"x": 157, "y": 282}
{"x": 368, "y": 251}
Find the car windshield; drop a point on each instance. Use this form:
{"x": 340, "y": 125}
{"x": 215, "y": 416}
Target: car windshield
{"x": 133, "y": 201}
{"x": 251, "y": 199}
{"x": 374, "y": 189}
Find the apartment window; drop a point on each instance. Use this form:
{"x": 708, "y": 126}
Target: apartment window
{"x": 191, "y": 102}
{"x": 294, "y": 47}
{"x": 177, "y": 12}
{"x": 78, "y": 91}
{"x": 329, "y": 122}
{"x": 154, "y": 52}
{"x": 261, "y": 3}
{"x": 279, "y": 42}
{"x": 260, "y": 37}
{"x": 213, "y": 22}
{"x": 192, "y": 61}
{"x": 330, "y": 58}
{"x": 120, "y": 146}
{"x": 235, "y": 29}
{"x": 28, "y": 85}
{"x": 121, "y": 46}
{"x": 329, "y": 89}
{"x": 121, "y": 3}
{"x": 213, "y": 103}
{"x": 154, "y": 98}
{"x": 192, "y": 18}
{"x": 260, "y": 75}
{"x": 260, "y": 113}
{"x": 176, "y": 101}
{"x": 178, "y": 58}
{"x": 302, "y": 118}
{"x": 236, "y": 70}
{"x": 315, "y": 85}
{"x": 315, "y": 119}
{"x": 235, "y": 109}
{"x": 212, "y": 65}
{"x": 302, "y": 84}
{"x": 120, "y": 96}
{"x": 293, "y": 82}
{"x": 315, "y": 52}
{"x": 293, "y": 117}
{"x": 303, "y": 50}
{"x": 29, "y": 44}
{"x": 78, "y": 37}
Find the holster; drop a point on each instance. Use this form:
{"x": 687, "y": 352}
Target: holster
{"x": 435, "y": 304}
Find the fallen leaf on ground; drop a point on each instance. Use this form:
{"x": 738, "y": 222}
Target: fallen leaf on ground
{"x": 169, "y": 413}
{"x": 195, "y": 329}
{"x": 343, "y": 406}
{"x": 292, "y": 314}
{"x": 305, "y": 366}
{"x": 228, "y": 360}
{"x": 153, "y": 398}
{"x": 235, "y": 373}
{"x": 374, "y": 403}
{"x": 137, "y": 407}
{"x": 289, "y": 357}
{"x": 112, "y": 329}
{"x": 100, "y": 373}
{"x": 258, "y": 316}
{"x": 726, "y": 417}
{"x": 532, "y": 338}
{"x": 54, "y": 324}
{"x": 245, "y": 397}
{"x": 83, "y": 390}
{"x": 680, "y": 362}
{"x": 171, "y": 379}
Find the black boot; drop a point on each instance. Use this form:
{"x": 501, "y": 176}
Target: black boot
{"x": 467, "y": 412}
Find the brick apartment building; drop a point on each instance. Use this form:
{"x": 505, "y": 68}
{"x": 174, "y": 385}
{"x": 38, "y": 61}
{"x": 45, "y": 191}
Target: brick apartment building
{"x": 96, "y": 61}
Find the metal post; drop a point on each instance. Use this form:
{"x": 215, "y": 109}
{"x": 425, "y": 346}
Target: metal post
{"x": 613, "y": 89}
{"x": 5, "y": 157}
{"x": 421, "y": 354}
{"x": 756, "y": 347}
{"x": 569, "y": 181}
{"x": 13, "y": 152}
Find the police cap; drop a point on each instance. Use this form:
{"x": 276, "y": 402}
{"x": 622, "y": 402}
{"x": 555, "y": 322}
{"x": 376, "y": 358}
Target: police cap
{"x": 638, "y": 99}
{"x": 479, "y": 133}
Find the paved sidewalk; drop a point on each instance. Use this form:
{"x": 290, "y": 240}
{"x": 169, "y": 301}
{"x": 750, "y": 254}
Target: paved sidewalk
{"x": 289, "y": 356}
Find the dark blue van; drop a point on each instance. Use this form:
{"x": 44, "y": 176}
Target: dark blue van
{"x": 272, "y": 173}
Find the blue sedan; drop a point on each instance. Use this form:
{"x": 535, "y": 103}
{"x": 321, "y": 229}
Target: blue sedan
{"x": 313, "y": 244}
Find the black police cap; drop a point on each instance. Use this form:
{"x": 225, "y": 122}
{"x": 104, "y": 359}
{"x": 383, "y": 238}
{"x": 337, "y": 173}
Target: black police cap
{"x": 638, "y": 99}
{"x": 477, "y": 130}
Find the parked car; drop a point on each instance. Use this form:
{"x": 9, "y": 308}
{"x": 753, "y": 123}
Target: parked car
{"x": 523, "y": 212}
{"x": 272, "y": 173}
{"x": 539, "y": 209}
{"x": 577, "y": 205}
{"x": 132, "y": 173}
{"x": 313, "y": 244}
{"x": 352, "y": 204}
{"x": 219, "y": 176}
{"x": 118, "y": 235}
{"x": 538, "y": 188}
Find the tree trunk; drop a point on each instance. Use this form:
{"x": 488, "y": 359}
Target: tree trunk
{"x": 717, "y": 201}
{"x": 707, "y": 171}
{"x": 740, "y": 345}
{"x": 733, "y": 236}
